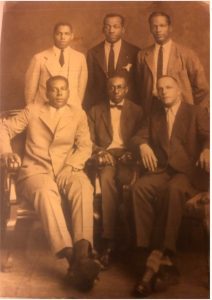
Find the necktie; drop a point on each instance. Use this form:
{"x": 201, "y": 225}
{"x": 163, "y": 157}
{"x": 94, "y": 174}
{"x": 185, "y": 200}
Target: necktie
{"x": 111, "y": 60}
{"x": 170, "y": 121}
{"x": 118, "y": 106}
{"x": 160, "y": 63}
{"x": 61, "y": 59}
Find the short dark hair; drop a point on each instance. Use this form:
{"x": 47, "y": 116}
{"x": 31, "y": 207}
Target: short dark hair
{"x": 112, "y": 15}
{"x": 159, "y": 14}
{"x": 168, "y": 76}
{"x": 53, "y": 78}
{"x": 62, "y": 24}
{"x": 119, "y": 75}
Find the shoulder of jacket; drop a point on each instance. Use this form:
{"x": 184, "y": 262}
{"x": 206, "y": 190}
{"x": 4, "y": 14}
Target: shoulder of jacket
{"x": 130, "y": 46}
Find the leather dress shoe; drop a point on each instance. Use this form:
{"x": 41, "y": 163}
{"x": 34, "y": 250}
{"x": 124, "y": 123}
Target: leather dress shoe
{"x": 167, "y": 275}
{"x": 143, "y": 289}
{"x": 105, "y": 259}
{"x": 84, "y": 273}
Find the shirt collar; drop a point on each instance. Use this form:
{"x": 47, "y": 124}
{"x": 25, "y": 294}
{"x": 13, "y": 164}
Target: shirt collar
{"x": 174, "y": 108}
{"x": 165, "y": 46}
{"x": 57, "y": 51}
{"x": 116, "y": 45}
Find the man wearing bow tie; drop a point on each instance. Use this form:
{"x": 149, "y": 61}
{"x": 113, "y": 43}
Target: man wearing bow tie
{"x": 112, "y": 125}
{"x": 112, "y": 55}
{"x": 51, "y": 175}
{"x": 62, "y": 60}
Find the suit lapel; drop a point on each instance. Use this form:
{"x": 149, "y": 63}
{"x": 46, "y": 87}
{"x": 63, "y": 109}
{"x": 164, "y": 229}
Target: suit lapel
{"x": 173, "y": 63}
{"x": 107, "y": 119}
{"x": 122, "y": 59}
{"x": 149, "y": 57}
{"x": 160, "y": 127}
{"x": 125, "y": 119}
{"x": 51, "y": 62}
{"x": 45, "y": 118}
{"x": 181, "y": 118}
{"x": 100, "y": 56}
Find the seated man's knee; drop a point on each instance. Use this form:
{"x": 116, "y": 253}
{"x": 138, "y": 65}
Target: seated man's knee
{"x": 79, "y": 185}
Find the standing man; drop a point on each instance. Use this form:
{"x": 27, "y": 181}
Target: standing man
{"x": 166, "y": 57}
{"x": 112, "y": 125}
{"x": 57, "y": 147}
{"x": 178, "y": 141}
{"x": 62, "y": 60}
{"x": 112, "y": 55}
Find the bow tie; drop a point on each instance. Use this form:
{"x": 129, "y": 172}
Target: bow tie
{"x": 118, "y": 106}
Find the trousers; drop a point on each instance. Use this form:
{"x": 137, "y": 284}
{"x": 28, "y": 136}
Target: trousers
{"x": 158, "y": 205}
{"x": 42, "y": 191}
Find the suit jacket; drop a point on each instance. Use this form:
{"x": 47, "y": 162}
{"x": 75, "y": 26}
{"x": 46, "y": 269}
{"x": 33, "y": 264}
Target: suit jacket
{"x": 99, "y": 120}
{"x": 44, "y": 65}
{"x": 97, "y": 72}
{"x": 190, "y": 135}
{"x": 184, "y": 65}
{"x": 47, "y": 149}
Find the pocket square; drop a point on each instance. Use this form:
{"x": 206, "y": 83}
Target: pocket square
{"x": 127, "y": 67}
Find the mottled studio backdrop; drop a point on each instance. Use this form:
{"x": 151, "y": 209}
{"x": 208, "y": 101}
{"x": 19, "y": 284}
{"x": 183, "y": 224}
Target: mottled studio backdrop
{"x": 27, "y": 29}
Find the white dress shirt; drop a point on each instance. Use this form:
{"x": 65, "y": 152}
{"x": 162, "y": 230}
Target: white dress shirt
{"x": 166, "y": 54}
{"x": 62, "y": 70}
{"x": 116, "y": 49}
{"x": 115, "y": 113}
{"x": 171, "y": 115}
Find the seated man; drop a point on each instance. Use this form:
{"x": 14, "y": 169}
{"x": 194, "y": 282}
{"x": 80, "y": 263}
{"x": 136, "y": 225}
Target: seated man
{"x": 112, "y": 126}
{"x": 178, "y": 141}
{"x": 57, "y": 147}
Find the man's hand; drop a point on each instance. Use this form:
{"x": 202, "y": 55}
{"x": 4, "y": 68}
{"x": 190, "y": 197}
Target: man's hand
{"x": 148, "y": 157}
{"x": 204, "y": 160}
{"x": 63, "y": 177}
{"x": 11, "y": 160}
{"x": 105, "y": 158}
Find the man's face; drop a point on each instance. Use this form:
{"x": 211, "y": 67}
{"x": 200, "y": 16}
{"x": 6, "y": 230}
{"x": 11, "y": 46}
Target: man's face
{"x": 63, "y": 36}
{"x": 168, "y": 91}
{"x": 160, "y": 29}
{"x": 113, "y": 29}
{"x": 117, "y": 89}
{"x": 58, "y": 93}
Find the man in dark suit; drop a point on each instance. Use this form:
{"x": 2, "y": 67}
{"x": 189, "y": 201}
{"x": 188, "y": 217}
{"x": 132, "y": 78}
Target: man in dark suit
{"x": 166, "y": 57}
{"x": 178, "y": 141}
{"x": 112, "y": 126}
{"x": 112, "y": 55}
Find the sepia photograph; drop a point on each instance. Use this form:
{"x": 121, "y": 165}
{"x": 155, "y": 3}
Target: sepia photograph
{"x": 105, "y": 149}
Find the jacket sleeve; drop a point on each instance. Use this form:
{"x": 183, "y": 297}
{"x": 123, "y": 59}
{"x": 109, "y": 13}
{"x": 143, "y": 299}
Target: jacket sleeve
{"x": 83, "y": 78}
{"x": 32, "y": 78}
{"x": 203, "y": 128}
{"x": 11, "y": 127}
{"x": 91, "y": 123}
{"x": 199, "y": 84}
{"x": 82, "y": 147}
{"x": 142, "y": 134}
{"x": 90, "y": 85}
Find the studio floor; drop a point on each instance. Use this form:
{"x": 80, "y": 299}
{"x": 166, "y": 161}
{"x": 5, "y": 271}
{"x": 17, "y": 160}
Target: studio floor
{"x": 37, "y": 274}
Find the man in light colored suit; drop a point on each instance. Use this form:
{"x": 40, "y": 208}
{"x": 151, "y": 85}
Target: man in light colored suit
{"x": 114, "y": 54}
{"x": 174, "y": 153}
{"x": 57, "y": 147}
{"x": 167, "y": 57}
{"x": 62, "y": 60}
